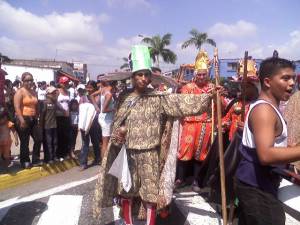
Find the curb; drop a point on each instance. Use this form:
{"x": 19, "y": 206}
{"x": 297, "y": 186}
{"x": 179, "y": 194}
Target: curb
{"x": 27, "y": 175}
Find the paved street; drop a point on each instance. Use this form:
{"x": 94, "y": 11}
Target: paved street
{"x": 66, "y": 198}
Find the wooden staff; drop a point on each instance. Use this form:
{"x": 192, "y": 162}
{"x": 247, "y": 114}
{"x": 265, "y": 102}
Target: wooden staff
{"x": 244, "y": 85}
{"x": 220, "y": 139}
{"x": 212, "y": 121}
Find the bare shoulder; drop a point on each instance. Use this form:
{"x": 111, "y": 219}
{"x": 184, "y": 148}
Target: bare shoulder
{"x": 20, "y": 92}
{"x": 263, "y": 115}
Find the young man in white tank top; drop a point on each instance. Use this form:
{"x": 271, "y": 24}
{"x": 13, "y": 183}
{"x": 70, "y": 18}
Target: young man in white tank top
{"x": 264, "y": 147}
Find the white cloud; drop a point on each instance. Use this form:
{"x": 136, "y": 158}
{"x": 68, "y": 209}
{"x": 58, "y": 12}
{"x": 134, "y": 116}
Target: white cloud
{"x": 227, "y": 49}
{"x": 129, "y": 3}
{"x": 54, "y": 28}
{"x": 239, "y": 29}
{"x": 128, "y": 42}
{"x": 290, "y": 48}
{"x": 67, "y": 36}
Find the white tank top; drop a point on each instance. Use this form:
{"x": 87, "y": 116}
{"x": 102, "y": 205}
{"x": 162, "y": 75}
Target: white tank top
{"x": 248, "y": 139}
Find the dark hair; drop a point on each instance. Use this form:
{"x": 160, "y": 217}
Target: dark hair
{"x": 52, "y": 83}
{"x": 271, "y": 66}
{"x": 92, "y": 83}
{"x": 25, "y": 74}
{"x": 3, "y": 112}
{"x": 155, "y": 69}
{"x": 16, "y": 83}
{"x": 8, "y": 82}
{"x": 113, "y": 83}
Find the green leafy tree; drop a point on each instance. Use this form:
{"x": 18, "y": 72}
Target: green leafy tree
{"x": 198, "y": 39}
{"x": 157, "y": 45}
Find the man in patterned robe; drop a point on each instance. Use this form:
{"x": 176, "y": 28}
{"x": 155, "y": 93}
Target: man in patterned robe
{"x": 139, "y": 118}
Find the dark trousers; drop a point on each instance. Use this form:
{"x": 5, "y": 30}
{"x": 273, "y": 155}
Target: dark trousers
{"x": 188, "y": 168}
{"x": 63, "y": 136}
{"x": 257, "y": 207}
{"x": 94, "y": 136}
{"x": 34, "y": 130}
{"x": 73, "y": 136}
{"x": 51, "y": 144}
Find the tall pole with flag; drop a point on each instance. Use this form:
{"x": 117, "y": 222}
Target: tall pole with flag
{"x": 220, "y": 138}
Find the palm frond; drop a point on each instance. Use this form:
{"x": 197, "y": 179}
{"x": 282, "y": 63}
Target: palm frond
{"x": 166, "y": 39}
{"x": 124, "y": 66}
{"x": 148, "y": 40}
{"x": 169, "y": 56}
{"x": 211, "y": 42}
{"x": 188, "y": 43}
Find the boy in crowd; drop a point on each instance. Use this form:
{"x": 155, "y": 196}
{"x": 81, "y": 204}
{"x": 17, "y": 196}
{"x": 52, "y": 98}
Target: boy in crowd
{"x": 49, "y": 124}
{"x": 264, "y": 147}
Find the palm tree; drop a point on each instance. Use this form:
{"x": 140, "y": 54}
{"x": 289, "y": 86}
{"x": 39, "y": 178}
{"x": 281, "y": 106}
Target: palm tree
{"x": 157, "y": 45}
{"x": 125, "y": 64}
{"x": 198, "y": 39}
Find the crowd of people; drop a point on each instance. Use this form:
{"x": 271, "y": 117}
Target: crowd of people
{"x": 133, "y": 132}
{"x": 49, "y": 114}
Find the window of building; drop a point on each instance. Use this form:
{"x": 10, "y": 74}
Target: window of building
{"x": 232, "y": 66}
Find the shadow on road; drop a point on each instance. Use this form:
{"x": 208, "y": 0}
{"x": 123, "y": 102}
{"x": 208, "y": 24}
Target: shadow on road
{"x": 26, "y": 213}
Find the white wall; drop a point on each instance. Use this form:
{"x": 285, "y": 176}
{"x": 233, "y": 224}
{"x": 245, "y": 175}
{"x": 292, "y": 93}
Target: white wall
{"x": 39, "y": 74}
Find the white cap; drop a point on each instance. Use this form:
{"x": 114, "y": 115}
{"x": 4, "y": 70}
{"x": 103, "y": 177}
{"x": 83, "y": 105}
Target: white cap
{"x": 80, "y": 86}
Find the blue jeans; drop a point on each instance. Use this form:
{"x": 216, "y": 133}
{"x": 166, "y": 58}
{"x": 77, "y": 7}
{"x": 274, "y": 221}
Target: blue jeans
{"x": 93, "y": 135}
{"x": 51, "y": 144}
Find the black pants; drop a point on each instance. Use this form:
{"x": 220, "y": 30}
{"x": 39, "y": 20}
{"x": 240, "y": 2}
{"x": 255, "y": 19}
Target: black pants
{"x": 188, "y": 168}
{"x": 257, "y": 207}
{"x": 34, "y": 130}
{"x": 73, "y": 137}
{"x": 63, "y": 136}
{"x": 94, "y": 136}
{"x": 51, "y": 144}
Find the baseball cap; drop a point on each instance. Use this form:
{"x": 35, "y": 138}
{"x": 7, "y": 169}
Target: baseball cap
{"x": 63, "y": 80}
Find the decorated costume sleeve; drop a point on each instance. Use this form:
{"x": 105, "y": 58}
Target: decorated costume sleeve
{"x": 182, "y": 105}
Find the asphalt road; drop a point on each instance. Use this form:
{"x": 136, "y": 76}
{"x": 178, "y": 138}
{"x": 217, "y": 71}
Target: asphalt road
{"x": 65, "y": 198}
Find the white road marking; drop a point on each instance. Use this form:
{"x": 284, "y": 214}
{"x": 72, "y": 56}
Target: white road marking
{"x": 62, "y": 209}
{"x": 45, "y": 193}
{"x": 289, "y": 194}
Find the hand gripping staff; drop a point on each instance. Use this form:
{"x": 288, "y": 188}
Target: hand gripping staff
{"x": 220, "y": 138}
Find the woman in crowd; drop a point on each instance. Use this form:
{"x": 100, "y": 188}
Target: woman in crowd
{"x": 27, "y": 124}
{"x": 107, "y": 107}
{"x": 63, "y": 119}
{"x": 94, "y": 133}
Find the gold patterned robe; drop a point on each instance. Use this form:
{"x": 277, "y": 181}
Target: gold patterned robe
{"x": 145, "y": 118}
{"x": 292, "y": 118}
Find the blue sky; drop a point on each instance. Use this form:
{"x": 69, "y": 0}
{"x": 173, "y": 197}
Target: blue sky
{"x": 101, "y": 32}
